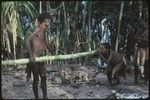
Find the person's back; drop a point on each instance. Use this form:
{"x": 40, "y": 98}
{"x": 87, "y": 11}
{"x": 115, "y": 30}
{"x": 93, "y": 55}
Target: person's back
{"x": 115, "y": 57}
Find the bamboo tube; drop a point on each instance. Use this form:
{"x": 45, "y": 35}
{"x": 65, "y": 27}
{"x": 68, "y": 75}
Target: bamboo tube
{"x": 47, "y": 58}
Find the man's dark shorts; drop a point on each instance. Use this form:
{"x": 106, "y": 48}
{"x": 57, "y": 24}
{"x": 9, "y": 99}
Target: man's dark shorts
{"x": 37, "y": 68}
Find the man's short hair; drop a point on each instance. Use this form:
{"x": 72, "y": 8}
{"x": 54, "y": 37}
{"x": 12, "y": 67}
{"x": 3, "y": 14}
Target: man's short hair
{"x": 106, "y": 45}
{"x": 43, "y": 16}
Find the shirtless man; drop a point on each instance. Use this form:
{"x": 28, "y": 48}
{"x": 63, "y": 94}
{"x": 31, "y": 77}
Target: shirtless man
{"x": 36, "y": 46}
{"x": 116, "y": 64}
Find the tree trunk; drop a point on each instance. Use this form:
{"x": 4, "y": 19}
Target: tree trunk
{"x": 89, "y": 26}
{"x": 140, "y": 9}
{"x": 65, "y": 36}
{"x": 118, "y": 32}
{"x": 6, "y": 50}
{"x": 88, "y": 39}
{"x": 14, "y": 32}
{"x": 58, "y": 33}
{"x": 83, "y": 30}
{"x": 76, "y": 6}
{"x": 40, "y": 10}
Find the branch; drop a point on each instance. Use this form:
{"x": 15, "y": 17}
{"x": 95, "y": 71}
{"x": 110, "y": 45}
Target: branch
{"x": 54, "y": 10}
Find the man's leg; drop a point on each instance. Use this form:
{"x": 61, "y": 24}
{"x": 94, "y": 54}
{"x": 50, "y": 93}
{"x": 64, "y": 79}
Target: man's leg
{"x": 141, "y": 60}
{"x": 109, "y": 72}
{"x": 115, "y": 72}
{"x": 43, "y": 73}
{"x": 35, "y": 79}
{"x": 28, "y": 71}
{"x": 117, "y": 79}
{"x": 122, "y": 71}
{"x": 116, "y": 69}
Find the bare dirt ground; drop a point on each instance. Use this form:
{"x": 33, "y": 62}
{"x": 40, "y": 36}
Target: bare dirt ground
{"x": 14, "y": 86}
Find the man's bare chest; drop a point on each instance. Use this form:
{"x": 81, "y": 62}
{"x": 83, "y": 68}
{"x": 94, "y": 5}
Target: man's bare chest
{"x": 38, "y": 42}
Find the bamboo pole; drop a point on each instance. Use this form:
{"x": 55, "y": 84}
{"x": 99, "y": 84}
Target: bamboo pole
{"x": 47, "y": 58}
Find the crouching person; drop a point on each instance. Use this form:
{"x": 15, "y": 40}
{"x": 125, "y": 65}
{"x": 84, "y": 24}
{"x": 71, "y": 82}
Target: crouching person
{"x": 36, "y": 46}
{"x": 116, "y": 64}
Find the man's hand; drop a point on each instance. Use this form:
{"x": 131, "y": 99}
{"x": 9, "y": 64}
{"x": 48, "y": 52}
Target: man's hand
{"x": 32, "y": 59}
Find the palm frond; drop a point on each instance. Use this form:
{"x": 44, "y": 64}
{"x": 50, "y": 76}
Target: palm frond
{"x": 28, "y": 9}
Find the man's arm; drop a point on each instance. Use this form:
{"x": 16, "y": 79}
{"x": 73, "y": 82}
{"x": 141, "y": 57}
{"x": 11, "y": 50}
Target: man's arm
{"x": 97, "y": 55}
{"x": 110, "y": 57}
{"x": 106, "y": 60}
{"x": 29, "y": 48}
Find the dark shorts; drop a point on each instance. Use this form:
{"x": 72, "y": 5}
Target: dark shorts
{"x": 37, "y": 68}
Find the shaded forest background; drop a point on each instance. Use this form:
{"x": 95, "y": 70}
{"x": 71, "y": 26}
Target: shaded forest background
{"x": 76, "y": 26}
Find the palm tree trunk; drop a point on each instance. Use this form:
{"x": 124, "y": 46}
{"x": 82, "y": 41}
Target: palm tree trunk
{"x": 118, "y": 32}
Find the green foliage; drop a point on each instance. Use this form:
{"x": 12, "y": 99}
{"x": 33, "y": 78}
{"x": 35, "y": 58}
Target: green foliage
{"x": 68, "y": 23}
{"x": 11, "y": 19}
